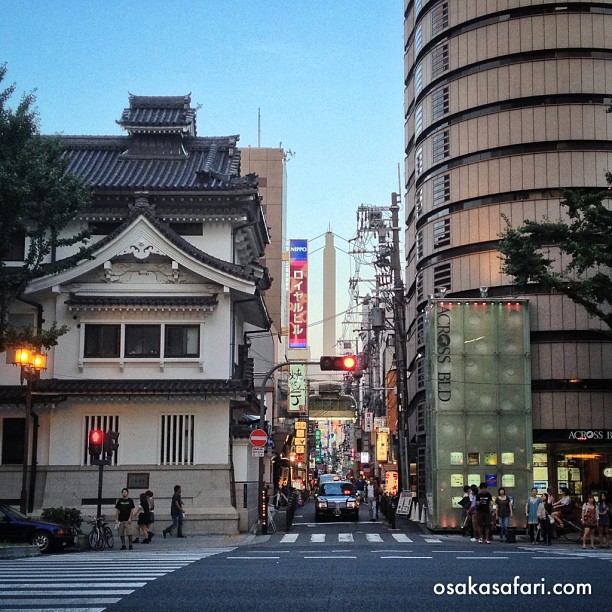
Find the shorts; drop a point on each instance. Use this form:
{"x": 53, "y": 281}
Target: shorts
{"x": 484, "y": 518}
{"x": 125, "y": 528}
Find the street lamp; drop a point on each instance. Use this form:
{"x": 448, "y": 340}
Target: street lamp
{"x": 31, "y": 363}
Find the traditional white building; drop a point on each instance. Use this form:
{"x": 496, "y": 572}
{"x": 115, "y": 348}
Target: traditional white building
{"x": 157, "y": 348}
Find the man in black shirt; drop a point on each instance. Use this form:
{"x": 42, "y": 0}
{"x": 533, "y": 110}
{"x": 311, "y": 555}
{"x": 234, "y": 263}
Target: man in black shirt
{"x": 484, "y": 502}
{"x": 124, "y": 512}
{"x": 177, "y": 512}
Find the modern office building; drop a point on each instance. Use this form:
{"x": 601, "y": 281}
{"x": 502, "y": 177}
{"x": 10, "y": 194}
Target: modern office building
{"x": 505, "y": 105}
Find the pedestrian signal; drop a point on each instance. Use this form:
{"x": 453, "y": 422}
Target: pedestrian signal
{"x": 111, "y": 442}
{"x": 346, "y": 363}
{"x": 96, "y": 442}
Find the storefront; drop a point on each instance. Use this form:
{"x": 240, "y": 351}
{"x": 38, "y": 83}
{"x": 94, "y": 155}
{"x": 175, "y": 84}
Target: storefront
{"x": 580, "y": 459}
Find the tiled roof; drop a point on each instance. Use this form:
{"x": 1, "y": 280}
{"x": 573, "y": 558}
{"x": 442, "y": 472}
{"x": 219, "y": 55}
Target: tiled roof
{"x": 151, "y": 387}
{"x": 158, "y": 111}
{"x": 162, "y": 163}
{"x": 76, "y": 302}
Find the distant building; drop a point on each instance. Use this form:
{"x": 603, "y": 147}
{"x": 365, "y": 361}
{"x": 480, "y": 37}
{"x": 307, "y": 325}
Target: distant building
{"x": 156, "y": 348}
{"x": 505, "y": 105}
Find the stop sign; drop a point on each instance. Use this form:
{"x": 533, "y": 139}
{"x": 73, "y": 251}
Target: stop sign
{"x": 258, "y": 438}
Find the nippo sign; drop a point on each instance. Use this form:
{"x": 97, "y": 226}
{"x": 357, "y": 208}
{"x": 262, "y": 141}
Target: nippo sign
{"x": 258, "y": 438}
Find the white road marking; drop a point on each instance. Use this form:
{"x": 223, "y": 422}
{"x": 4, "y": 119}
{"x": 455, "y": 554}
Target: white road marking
{"x": 290, "y": 538}
{"x": 401, "y": 537}
{"x": 317, "y": 537}
{"x": 374, "y": 537}
{"x": 345, "y": 537}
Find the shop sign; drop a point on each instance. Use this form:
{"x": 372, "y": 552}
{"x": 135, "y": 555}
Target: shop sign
{"x": 572, "y": 435}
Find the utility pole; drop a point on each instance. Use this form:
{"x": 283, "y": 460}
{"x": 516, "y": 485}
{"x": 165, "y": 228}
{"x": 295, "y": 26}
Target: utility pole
{"x": 399, "y": 319}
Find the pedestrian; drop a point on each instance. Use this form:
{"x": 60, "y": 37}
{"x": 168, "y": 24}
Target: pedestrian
{"x": 544, "y": 526}
{"x": 144, "y": 520}
{"x": 360, "y": 485}
{"x": 531, "y": 510}
{"x": 465, "y": 509}
{"x": 484, "y": 505}
{"x": 589, "y": 520}
{"x": 151, "y": 511}
{"x": 125, "y": 510}
{"x": 177, "y": 512}
{"x": 505, "y": 512}
{"x": 373, "y": 491}
{"x": 563, "y": 508}
{"x": 604, "y": 520}
{"x": 473, "y": 520}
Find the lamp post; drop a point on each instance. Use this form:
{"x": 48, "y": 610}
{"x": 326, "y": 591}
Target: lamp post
{"x": 31, "y": 363}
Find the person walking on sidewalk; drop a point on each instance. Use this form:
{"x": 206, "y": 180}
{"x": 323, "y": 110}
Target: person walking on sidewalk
{"x": 123, "y": 516}
{"x": 177, "y": 512}
{"x": 504, "y": 513}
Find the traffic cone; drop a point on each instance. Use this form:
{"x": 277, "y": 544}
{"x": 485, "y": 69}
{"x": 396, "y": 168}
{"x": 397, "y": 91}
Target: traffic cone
{"x": 414, "y": 512}
{"x": 423, "y": 515}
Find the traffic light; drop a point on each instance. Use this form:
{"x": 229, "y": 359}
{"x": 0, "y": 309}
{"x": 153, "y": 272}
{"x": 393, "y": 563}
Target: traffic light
{"x": 346, "y": 363}
{"x": 111, "y": 442}
{"x": 96, "y": 442}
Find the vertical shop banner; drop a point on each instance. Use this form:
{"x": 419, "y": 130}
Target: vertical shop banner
{"x": 298, "y": 293}
{"x": 297, "y": 389}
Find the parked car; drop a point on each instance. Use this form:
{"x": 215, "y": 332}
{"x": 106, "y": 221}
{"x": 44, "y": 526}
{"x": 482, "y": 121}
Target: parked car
{"x": 17, "y": 527}
{"x": 336, "y": 499}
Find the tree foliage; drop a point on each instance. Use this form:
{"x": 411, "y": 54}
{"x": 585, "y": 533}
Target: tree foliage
{"x": 585, "y": 240}
{"x": 38, "y": 199}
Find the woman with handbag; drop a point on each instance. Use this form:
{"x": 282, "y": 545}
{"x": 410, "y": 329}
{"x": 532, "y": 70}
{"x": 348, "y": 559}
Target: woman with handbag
{"x": 505, "y": 511}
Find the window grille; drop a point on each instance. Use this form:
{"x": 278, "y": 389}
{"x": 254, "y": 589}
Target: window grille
{"x": 420, "y": 372}
{"x": 421, "y": 330}
{"x": 418, "y": 202}
{"x": 420, "y": 425}
{"x": 419, "y": 245}
{"x": 441, "y": 232}
{"x": 177, "y": 439}
{"x": 439, "y": 18}
{"x": 422, "y": 470}
{"x": 439, "y": 60}
{"x": 439, "y": 103}
{"x": 441, "y": 146}
{"x": 441, "y": 190}
{"x": 418, "y": 162}
{"x": 418, "y": 5}
{"x": 442, "y": 277}
{"x": 105, "y": 422}
{"x": 419, "y": 286}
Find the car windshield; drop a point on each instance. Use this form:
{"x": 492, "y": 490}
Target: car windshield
{"x": 9, "y": 511}
{"x": 337, "y": 488}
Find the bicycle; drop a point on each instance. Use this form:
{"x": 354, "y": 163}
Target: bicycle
{"x": 101, "y": 535}
{"x": 572, "y": 531}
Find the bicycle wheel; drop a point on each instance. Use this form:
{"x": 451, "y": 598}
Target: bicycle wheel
{"x": 109, "y": 540}
{"x": 572, "y": 532}
{"x": 95, "y": 539}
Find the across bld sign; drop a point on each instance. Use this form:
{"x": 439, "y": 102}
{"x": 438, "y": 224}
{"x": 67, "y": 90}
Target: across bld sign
{"x": 258, "y": 438}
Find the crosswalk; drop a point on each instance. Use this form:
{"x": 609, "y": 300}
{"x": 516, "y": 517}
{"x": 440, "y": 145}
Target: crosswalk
{"x": 350, "y": 538}
{"x": 86, "y": 581}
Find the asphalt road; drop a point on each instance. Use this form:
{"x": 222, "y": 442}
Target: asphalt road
{"x": 330, "y": 565}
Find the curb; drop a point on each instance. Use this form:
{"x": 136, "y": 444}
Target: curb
{"x": 19, "y": 552}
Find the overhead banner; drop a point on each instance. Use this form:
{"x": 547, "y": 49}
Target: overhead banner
{"x": 298, "y": 293}
{"x": 297, "y": 388}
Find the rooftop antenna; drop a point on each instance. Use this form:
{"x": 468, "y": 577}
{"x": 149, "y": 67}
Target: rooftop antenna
{"x": 259, "y": 126}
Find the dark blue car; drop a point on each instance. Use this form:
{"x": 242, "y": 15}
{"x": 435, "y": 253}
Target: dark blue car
{"x": 17, "y": 527}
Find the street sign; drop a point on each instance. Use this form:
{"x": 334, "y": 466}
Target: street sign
{"x": 258, "y": 438}
{"x": 258, "y": 451}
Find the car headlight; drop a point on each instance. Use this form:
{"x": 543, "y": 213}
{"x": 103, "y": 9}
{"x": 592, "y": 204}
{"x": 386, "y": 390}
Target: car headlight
{"x": 350, "y": 504}
{"x": 322, "y": 503}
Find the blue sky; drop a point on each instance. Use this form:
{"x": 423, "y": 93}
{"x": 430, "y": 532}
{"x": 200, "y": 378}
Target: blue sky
{"x": 327, "y": 76}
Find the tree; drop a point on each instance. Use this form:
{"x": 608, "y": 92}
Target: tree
{"x": 37, "y": 201}
{"x": 585, "y": 238}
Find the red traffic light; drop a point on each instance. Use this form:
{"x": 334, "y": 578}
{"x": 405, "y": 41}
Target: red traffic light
{"x": 345, "y": 363}
{"x": 96, "y": 440}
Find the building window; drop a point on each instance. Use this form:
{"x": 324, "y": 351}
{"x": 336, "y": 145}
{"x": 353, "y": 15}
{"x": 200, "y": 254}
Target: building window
{"x": 420, "y": 373}
{"x": 418, "y": 120}
{"x": 419, "y": 245}
{"x": 420, "y": 330}
{"x": 419, "y": 286}
{"x": 442, "y": 277}
{"x": 418, "y": 5}
{"x": 13, "y": 431}
{"x": 439, "y": 60}
{"x": 418, "y": 162}
{"x": 102, "y": 340}
{"x": 418, "y": 39}
{"x": 418, "y": 202}
{"x": 418, "y": 80}
{"x": 420, "y": 418}
{"x": 105, "y": 422}
{"x": 104, "y": 228}
{"x": 177, "y": 444}
{"x": 441, "y": 190}
{"x": 441, "y": 146}
{"x": 439, "y": 103}
{"x": 182, "y": 341}
{"x": 441, "y": 232}
{"x": 142, "y": 340}
{"x": 439, "y": 18}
